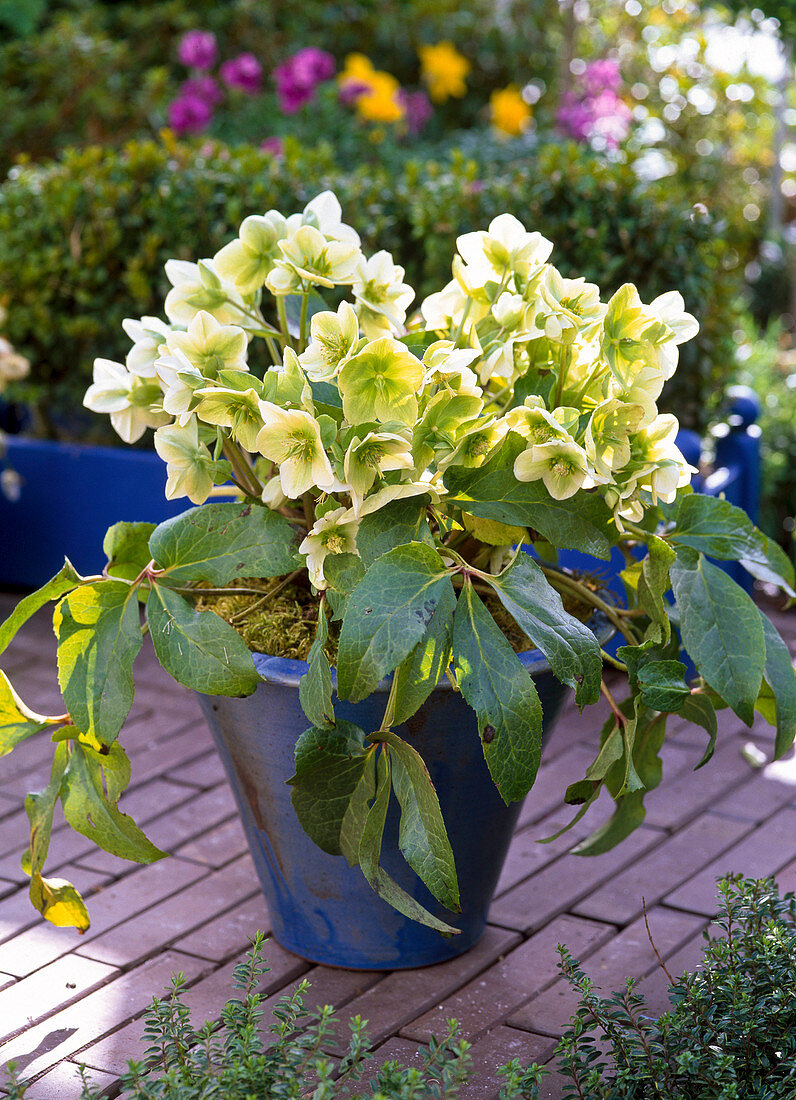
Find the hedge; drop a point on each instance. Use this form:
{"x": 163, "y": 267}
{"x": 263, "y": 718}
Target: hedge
{"x": 83, "y": 241}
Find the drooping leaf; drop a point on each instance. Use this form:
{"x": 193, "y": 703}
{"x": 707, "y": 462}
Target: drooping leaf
{"x": 581, "y": 523}
{"x": 422, "y": 836}
{"x": 500, "y": 691}
{"x": 17, "y": 723}
{"x": 126, "y": 546}
{"x": 420, "y": 672}
{"x": 777, "y": 568}
{"x": 387, "y": 615}
{"x": 64, "y": 580}
{"x": 721, "y": 630}
{"x": 197, "y": 648}
{"x": 370, "y": 854}
{"x": 315, "y": 688}
{"x": 653, "y": 582}
{"x": 99, "y": 634}
{"x": 699, "y": 710}
{"x": 536, "y": 607}
{"x": 330, "y": 764}
{"x": 95, "y": 814}
{"x": 40, "y": 806}
{"x": 396, "y": 523}
{"x": 356, "y": 814}
{"x": 59, "y": 902}
{"x": 781, "y": 678}
{"x": 218, "y": 542}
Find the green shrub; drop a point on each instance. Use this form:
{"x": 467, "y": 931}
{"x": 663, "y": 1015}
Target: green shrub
{"x": 83, "y": 241}
{"x": 731, "y": 1031}
{"x": 234, "y": 1063}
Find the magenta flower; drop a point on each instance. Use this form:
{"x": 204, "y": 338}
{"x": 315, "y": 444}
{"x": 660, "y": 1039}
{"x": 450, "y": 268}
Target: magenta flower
{"x": 244, "y": 72}
{"x": 297, "y": 78}
{"x": 273, "y": 145}
{"x": 188, "y": 114}
{"x": 202, "y": 87}
{"x": 197, "y": 49}
{"x": 417, "y": 108}
{"x": 600, "y": 76}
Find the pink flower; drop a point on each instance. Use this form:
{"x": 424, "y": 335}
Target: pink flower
{"x": 188, "y": 114}
{"x": 197, "y": 49}
{"x": 202, "y": 87}
{"x": 244, "y": 72}
{"x": 600, "y": 76}
{"x": 297, "y": 78}
{"x": 418, "y": 110}
{"x": 273, "y": 145}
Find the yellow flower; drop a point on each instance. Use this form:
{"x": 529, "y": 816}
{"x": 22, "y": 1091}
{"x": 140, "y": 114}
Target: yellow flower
{"x": 374, "y": 92}
{"x": 444, "y": 69}
{"x": 509, "y": 112}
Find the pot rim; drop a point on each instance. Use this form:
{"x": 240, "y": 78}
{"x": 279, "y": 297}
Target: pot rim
{"x": 288, "y": 672}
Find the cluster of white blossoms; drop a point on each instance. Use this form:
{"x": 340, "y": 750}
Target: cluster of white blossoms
{"x": 336, "y": 412}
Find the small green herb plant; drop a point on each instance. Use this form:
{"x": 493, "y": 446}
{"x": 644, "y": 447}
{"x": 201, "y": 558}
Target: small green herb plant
{"x": 397, "y": 468}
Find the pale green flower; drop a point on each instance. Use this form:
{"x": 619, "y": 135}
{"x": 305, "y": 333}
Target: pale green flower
{"x": 567, "y": 307}
{"x": 381, "y": 295}
{"x": 292, "y": 387}
{"x": 197, "y": 287}
{"x": 238, "y": 410}
{"x": 188, "y": 462}
{"x": 439, "y": 429}
{"x": 388, "y": 493}
{"x": 148, "y": 335}
{"x": 505, "y": 246}
{"x": 533, "y": 422}
{"x": 663, "y": 469}
{"x": 210, "y": 346}
{"x": 630, "y": 335}
{"x": 333, "y": 340}
{"x": 608, "y": 432}
{"x": 449, "y": 366}
{"x": 179, "y": 381}
{"x": 292, "y": 438}
{"x": 272, "y": 493}
{"x": 374, "y": 454}
{"x": 642, "y": 387}
{"x": 476, "y": 444}
{"x": 246, "y": 261}
{"x": 509, "y": 310}
{"x": 561, "y": 465}
{"x": 134, "y": 403}
{"x": 308, "y": 257}
{"x": 381, "y": 383}
{"x": 334, "y": 533}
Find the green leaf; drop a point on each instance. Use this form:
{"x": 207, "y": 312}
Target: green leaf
{"x": 95, "y": 813}
{"x": 126, "y": 546}
{"x": 387, "y": 615}
{"x": 356, "y": 814}
{"x": 315, "y": 304}
{"x": 719, "y": 529}
{"x": 653, "y": 582}
{"x": 17, "y": 723}
{"x": 663, "y": 685}
{"x": 64, "y": 581}
{"x": 536, "y": 607}
{"x": 583, "y": 522}
{"x": 699, "y": 710}
{"x": 420, "y": 672}
{"x": 217, "y": 542}
{"x": 495, "y": 684}
{"x": 395, "y": 524}
{"x": 40, "y": 806}
{"x": 197, "y": 648}
{"x": 330, "y": 766}
{"x": 99, "y": 635}
{"x": 343, "y": 572}
{"x": 721, "y": 630}
{"x": 422, "y": 836}
{"x": 315, "y": 687}
{"x": 781, "y": 678}
{"x": 370, "y": 852}
{"x": 59, "y": 902}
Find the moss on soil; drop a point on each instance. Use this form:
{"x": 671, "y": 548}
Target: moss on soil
{"x": 285, "y": 625}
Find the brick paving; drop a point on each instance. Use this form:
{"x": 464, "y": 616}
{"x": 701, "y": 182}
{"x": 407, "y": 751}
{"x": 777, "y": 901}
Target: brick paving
{"x": 67, "y": 1000}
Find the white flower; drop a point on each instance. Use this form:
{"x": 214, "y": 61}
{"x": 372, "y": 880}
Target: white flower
{"x": 567, "y": 306}
{"x": 670, "y": 309}
{"x": 179, "y": 381}
{"x": 292, "y": 438}
{"x": 188, "y": 462}
{"x": 381, "y": 295}
{"x": 148, "y": 335}
{"x": 561, "y": 465}
{"x": 246, "y": 261}
{"x": 376, "y": 453}
{"x": 449, "y": 366}
{"x": 131, "y": 401}
{"x": 309, "y": 257}
{"x": 333, "y": 533}
{"x": 445, "y": 310}
{"x": 505, "y": 246}
{"x": 325, "y": 213}
{"x": 333, "y": 340}
{"x": 210, "y": 346}
{"x": 197, "y": 287}
{"x": 533, "y": 422}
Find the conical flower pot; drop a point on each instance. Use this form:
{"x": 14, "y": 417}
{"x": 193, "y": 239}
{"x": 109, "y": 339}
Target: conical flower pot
{"x": 322, "y": 909}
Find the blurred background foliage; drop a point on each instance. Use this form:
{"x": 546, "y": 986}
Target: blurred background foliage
{"x": 649, "y": 140}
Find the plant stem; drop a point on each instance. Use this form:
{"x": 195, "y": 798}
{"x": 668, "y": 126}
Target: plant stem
{"x": 246, "y": 478}
{"x": 612, "y": 703}
{"x": 305, "y": 301}
{"x": 282, "y": 314}
{"x": 388, "y": 720}
{"x": 558, "y": 578}
{"x": 612, "y": 661}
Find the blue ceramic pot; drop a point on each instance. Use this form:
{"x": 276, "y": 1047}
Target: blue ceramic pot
{"x": 322, "y": 909}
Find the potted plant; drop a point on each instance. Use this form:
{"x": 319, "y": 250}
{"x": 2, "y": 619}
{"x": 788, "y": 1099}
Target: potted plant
{"x": 389, "y": 479}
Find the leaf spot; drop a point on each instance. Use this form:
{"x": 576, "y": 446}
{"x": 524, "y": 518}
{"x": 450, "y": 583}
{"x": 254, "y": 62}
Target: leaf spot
{"x": 488, "y": 735}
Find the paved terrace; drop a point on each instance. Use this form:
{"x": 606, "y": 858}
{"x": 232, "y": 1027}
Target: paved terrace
{"x": 67, "y": 999}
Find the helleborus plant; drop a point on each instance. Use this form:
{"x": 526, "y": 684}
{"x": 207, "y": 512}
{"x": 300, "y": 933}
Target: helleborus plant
{"x": 414, "y": 474}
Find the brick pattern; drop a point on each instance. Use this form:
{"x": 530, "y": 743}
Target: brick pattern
{"x": 66, "y": 999}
